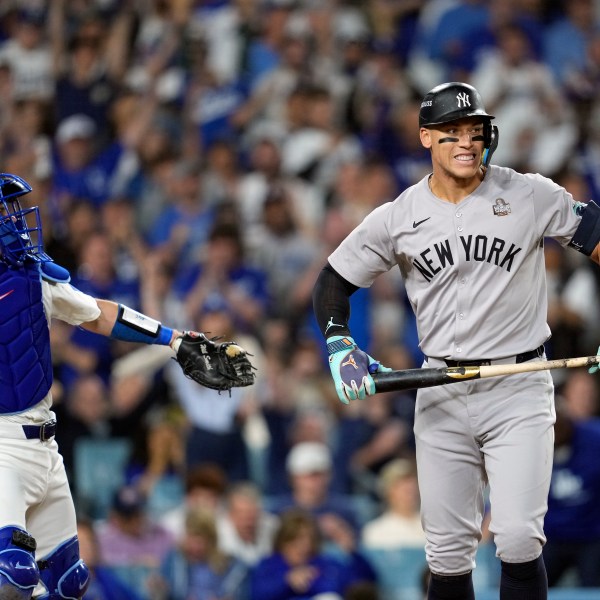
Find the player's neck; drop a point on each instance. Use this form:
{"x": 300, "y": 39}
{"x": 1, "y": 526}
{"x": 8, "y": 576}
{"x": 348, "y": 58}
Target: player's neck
{"x": 453, "y": 189}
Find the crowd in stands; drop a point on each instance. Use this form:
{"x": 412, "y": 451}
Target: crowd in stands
{"x": 198, "y": 160}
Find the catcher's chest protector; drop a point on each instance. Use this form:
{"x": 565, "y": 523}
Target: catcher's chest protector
{"x": 25, "y": 362}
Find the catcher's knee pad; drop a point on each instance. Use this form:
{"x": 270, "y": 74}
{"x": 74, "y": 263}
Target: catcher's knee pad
{"x": 19, "y": 572}
{"x": 63, "y": 573}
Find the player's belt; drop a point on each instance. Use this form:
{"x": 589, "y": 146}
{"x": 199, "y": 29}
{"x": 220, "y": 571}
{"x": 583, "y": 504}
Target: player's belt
{"x": 519, "y": 358}
{"x": 43, "y": 432}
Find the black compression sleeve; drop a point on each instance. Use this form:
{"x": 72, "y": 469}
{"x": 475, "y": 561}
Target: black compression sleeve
{"x": 331, "y": 302}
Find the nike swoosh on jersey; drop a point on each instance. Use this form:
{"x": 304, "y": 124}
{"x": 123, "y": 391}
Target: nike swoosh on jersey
{"x": 417, "y": 223}
{"x": 7, "y": 294}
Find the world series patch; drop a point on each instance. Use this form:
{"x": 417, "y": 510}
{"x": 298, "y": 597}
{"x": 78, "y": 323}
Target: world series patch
{"x": 501, "y": 208}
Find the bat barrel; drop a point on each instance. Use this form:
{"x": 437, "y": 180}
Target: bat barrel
{"x": 410, "y": 379}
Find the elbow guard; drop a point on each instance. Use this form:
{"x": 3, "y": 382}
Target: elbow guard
{"x": 587, "y": 236}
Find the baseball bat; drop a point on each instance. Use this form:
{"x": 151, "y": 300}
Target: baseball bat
{"x": 410, "y": 379}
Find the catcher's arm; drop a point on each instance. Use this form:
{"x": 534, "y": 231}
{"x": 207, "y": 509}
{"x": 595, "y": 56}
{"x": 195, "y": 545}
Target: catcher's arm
{"x": 213, "y": 364}
{"x": 123, "y": 323}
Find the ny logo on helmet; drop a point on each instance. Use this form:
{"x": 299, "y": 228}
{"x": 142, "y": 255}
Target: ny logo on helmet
{"x": 463, "y": 100}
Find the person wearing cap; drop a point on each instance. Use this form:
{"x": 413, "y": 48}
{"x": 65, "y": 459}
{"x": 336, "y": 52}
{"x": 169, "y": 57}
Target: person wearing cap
{"x": 129, "y": 536}
{"x": 309, "y": 467}
{"x": 83, "y": 169}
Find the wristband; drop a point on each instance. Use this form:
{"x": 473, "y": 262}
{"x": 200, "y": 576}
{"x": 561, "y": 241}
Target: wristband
{"x": 133, "y": 326}
{"x": 340, "y": 343}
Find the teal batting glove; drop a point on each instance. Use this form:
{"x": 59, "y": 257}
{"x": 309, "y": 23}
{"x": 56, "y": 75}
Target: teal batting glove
{"x": 351, "y": 369}
{"x": 596, "y": 367}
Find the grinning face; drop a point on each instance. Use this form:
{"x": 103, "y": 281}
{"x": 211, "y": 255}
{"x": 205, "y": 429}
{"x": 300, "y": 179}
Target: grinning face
{"x": 456, "y": 148}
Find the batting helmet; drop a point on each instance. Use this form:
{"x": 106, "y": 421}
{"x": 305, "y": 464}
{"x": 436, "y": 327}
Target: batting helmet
{"x": 18, "y": 225}
{"x": 455, "y": 100}
{"x": 449, "y": 102}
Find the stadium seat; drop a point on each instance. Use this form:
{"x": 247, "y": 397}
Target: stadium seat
{"x": 137, "y": 577}
{"x": 399, "y": 572}
{"x": 99, "y": 468}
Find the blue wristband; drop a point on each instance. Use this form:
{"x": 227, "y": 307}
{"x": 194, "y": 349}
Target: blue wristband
{"x": 132, "y": 326}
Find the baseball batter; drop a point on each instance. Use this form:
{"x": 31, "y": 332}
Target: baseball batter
{"x": 39, "y": 551}
{"x": 469, "y": 242}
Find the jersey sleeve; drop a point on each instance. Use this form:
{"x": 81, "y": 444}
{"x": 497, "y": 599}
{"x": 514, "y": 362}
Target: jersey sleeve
{"x": 367, "y": 251}
{"x": 69, "y": 304}
{"x": 555, "y": 210}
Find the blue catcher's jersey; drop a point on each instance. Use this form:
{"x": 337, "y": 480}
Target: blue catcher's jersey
{"x": 25, "y": 361}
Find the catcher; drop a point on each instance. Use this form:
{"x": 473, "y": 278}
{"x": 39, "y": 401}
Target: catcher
{"x": 38, "y": 541}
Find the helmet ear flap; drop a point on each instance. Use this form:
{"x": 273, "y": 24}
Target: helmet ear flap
{"x": 490, "y": 142}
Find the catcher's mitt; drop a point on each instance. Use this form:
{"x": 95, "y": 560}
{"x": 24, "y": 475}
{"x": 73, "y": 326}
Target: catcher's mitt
{"x": 216, "y": 365}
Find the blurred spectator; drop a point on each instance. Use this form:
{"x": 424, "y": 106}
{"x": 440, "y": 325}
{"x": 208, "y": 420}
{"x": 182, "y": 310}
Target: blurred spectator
{"x": 315, "y": 150}
{"x": 572, "y": 523}
{"x": 204, "y": 485}
{"x": 65, "y": 244}
{"x": 104, "y": 583}
{"x": 128, "y": 247}
{"x": 298, "y": 567}
{"x": 566, "y": 323}
{"x": 578, "y": 292}
{"x": 268, "y": 98}
{"x": 129, "y": 537}
{"x": 245, "y": 529}
{"x": 184, "y": 225}
{"x": 210, "y": 98}
{"x": 99, "y": 270}
{"x": 579, "y": 396}
{"x": 425, "y": 71}
{"x": 224, "y": 276}
{"x": 526, "y": 17}
{"x": 83, "y": 413}
{"x": 264, "y": 177}
{"x": 538, "y": 128}
{"x": 455, "y": 25}
{"x": 266, "y": 35}
{"x": 28, "y": 55}
{"x": 370, "y": 435}
{"x": 216, "y": 422}
{"x": 223, "y": 173}
{"x": 567, "y": 37}
{"x": 310, "y": 471}
{"x": 284, "y": 253}
{"x": 92, "y": 59}
{"x": 78, "y": 352}
{"x": 195, "y": 569}
{"x": 402, "y": 150}
{"x": 27, "y": 145}
{"x": 80, "y": 169}
{"x": 399, "y": 524}
{"x": 152, "y": 138}
{"x": 159, "y": 462}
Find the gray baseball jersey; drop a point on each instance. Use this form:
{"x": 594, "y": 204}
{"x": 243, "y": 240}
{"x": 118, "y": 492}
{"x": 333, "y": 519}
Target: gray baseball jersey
{"x": 474, "y": 271}
{"x": 475, "y": 276}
